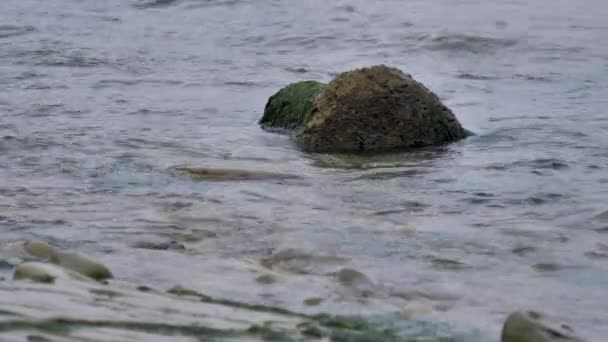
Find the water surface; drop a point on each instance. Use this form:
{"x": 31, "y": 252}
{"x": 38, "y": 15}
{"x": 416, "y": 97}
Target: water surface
{"x": 100, "y": 100}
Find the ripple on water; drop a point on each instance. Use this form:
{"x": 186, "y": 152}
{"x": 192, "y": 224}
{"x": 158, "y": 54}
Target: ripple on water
{"x": 475, "y": 77}
{"x": 9, "y": 31}
{"x": 61, "y": 56}
{"x": 534, "y": 164}
{"x": 155, "y": 4}
{"x": 467, "y": 43}
{"x": 102, "y": 84}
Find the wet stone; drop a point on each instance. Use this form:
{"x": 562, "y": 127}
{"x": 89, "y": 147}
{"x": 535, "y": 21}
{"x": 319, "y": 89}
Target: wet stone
{"x": 39, "y": 272}
{"x": 374, "y": 109}
{"x": 531, "y": 326}
{"x": 82, "y": 265}
{"x": 266, "y": 279}
{"x": 40, "y": 249}
{"x": 523, "y": 250}
{"x": 313, "y": 301}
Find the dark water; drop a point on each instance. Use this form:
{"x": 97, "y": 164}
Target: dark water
{"x": 100, "y": 99}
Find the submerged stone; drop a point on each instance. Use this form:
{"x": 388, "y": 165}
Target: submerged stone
{"x": 217, "y": 174}
{"x": 373, "y": 109}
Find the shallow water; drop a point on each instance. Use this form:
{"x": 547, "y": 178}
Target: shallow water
{"x": 100, "y": 100}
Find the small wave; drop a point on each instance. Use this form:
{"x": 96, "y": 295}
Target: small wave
{"x": 151, "y": 4}
{"x": 30, "y": 75}
{"x": 468, "y": 43}
{"x": 476, "y": 77}
{"x": 39, "y": 111}
{"x": 210, "y": 3}
{"x": 297, "y": 70}
{"x": 546, "y": 163}
{"x": 346, "y": 8}
{"x": 13, "y": 143}
{"x": 118, "y": 83}
{"x": 60, "y": 58}
{"x": 391, "y": 174}
{"x": 7, "y": 31}
{"x": 535, "y": 164}
{"x": 533, "y": 78}
{"x": 247, "y": 84}
{"x": 155, "y": 4}
{"x": 537, "y": 199}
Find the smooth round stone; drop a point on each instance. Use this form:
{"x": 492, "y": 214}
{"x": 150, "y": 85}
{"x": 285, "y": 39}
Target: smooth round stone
{"x": 39, "y": 272}
{"x": 40, "y": 249}
{"x": 530, "y": 326}
{"x": 82, "y": 265}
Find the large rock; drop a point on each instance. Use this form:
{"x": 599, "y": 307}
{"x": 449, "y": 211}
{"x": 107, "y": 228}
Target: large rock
{"x": 530, "y": 326}
{"x": 372, "y": 109}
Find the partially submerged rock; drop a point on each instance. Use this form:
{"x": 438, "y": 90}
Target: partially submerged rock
{"x": 372, "y": 109}
{"x": 218, "y": 174}
{"x": 530, "y": 326}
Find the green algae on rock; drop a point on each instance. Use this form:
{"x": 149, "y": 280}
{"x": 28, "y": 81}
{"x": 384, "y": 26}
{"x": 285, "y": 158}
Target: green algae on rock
{"x": 291, "y": 107}
{"x": 374, "y": 109}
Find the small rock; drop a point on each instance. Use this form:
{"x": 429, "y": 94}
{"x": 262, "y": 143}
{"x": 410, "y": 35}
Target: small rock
{"x": 523, "y": 250}
{"x": 144, "y": 288}
{"x": 39, "y": 272}
{"x": 530, "y": 326}
{"x": 313, "y": 301}
{"x": 82, "y": 265}
{"x": 40, "y": 249}
{"x": 266, "y": 279}
{"x": 355, "y": 280}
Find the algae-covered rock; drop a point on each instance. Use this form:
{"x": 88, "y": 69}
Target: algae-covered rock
{"x": 373, "y": 109}
{"x": 530, "y": 326}
{"x": 291, "y": 107}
